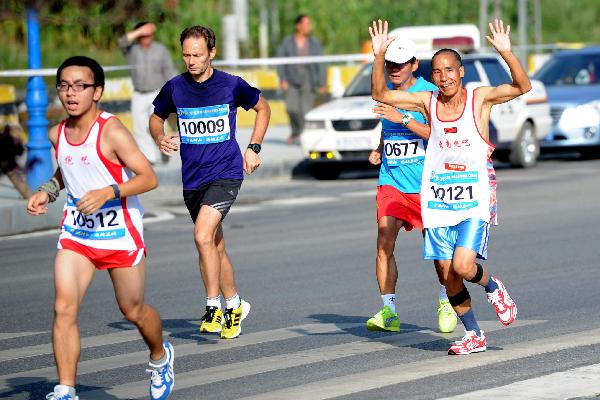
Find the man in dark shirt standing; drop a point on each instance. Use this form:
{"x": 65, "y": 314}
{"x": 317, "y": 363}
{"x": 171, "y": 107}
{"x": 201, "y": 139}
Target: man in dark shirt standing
{"x": 299, "y": 81}
{"x": 152, "y": 67}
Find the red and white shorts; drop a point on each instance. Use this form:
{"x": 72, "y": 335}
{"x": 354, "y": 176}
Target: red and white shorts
{"x": 103, "y": 258}
{"x": 403, "y": 206}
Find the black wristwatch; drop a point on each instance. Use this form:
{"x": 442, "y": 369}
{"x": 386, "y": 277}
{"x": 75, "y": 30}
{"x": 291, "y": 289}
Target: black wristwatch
{"x": 255, "y": 147}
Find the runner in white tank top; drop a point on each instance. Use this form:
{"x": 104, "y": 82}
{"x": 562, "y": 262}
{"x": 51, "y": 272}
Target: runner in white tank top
{"x": 102, "y": 170}
{"x": 117, "y": 225}
{"x": 458, "y": 200}
{"x": 459, "y": 181}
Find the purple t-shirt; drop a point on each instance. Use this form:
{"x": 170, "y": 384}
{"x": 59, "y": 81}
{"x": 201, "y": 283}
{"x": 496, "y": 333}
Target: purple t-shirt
{"x": 206, "y": 118}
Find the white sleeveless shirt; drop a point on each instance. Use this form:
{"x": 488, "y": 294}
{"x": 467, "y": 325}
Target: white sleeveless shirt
{"x": 117, "y": 225}
{"x": 459, "y": 181}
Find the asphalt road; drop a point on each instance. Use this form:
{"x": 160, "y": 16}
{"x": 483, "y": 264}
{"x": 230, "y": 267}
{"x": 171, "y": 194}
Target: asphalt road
{"x": 303, "y": 251}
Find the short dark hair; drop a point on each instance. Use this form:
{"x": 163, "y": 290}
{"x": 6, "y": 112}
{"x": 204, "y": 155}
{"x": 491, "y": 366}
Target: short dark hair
{"x": 140, "y": 24}
{"x": 83, "y": 61}
{"x": 455, "y": 53}
{"x": 299, "y": 18}
{"x": 198, "y": 31}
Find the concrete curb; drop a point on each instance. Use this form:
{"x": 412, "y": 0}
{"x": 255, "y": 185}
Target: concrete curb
{"x": 15, "y": 219}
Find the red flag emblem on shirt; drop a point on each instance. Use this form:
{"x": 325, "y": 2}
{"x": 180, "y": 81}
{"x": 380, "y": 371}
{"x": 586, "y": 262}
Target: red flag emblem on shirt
{"x": 455, "y": 167}
{"x": 450, "y": 130}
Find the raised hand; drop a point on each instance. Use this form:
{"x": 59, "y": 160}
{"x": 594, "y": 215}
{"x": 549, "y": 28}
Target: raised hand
{"x": 499, "y": 39}
{"x": 388, "y": 112}
{"x": 379, "y": 37}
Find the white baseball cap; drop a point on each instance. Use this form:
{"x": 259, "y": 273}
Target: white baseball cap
{"x": 401, "y": 50}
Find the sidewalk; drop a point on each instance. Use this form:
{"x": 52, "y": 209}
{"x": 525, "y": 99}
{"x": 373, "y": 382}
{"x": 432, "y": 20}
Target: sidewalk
{"x": 279, "y": 160}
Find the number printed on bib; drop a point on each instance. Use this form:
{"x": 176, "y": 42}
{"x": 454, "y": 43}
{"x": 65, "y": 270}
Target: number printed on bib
{"x": 204, "y": 125}
{"x": 105, "y": 223}
{"x": 403, "y": 151}
{"x": 453, "y": 190}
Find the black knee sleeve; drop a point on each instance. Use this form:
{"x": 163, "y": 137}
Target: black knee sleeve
{"x": 478, "y": 275}
{"x": 460, "y": 297}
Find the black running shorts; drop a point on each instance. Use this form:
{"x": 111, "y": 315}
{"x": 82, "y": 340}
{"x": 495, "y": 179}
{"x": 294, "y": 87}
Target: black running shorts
{"x": 219, "y": 195}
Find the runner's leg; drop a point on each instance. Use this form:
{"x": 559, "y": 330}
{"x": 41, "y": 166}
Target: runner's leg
{"x": 227, "y": 276}
{"x": 128, "y": 284}
{"x": 385, "y": 262}
{"x": 205, "y": 231}
{"x": 73, "y": 273}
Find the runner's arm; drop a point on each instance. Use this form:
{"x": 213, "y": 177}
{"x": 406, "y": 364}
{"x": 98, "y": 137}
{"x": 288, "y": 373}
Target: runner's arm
{"x": 520, "y": 84}
{"x": 414, "y": 101}
{"x": 37, "y": 204}
{"x": 263, "y": 115}
{"x": 119, "y": 146}
{"x": 163, "y": 141}
{"x": 384, "y": 111}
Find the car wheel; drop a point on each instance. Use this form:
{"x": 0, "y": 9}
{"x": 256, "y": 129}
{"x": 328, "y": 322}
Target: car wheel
{"x": 324, "y": 171}
{"x": 525, "y": 149}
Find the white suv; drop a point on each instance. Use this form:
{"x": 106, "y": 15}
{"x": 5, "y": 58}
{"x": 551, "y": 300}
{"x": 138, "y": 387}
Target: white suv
{"x": 345, "y": 130}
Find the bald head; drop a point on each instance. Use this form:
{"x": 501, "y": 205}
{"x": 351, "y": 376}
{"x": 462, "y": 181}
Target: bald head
{"x": 450, "y": 52}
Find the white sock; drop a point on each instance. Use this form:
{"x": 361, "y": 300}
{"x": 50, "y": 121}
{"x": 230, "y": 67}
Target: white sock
{"x": 233, "y": 302}
{"x": 389, "y": 300}
{"x": 443, "y": 294}
{"x": 61, "y": 390}
{"x": 213, "y": 301}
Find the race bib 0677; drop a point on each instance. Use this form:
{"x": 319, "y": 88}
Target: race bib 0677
{"x": 403, "y": 151}
{"x": 204, "y": 125}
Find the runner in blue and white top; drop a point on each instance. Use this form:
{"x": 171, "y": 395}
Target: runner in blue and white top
{"x": 401, "y": 153}
{"x": 206, "y": 101}
{"x": 458, "y": 189}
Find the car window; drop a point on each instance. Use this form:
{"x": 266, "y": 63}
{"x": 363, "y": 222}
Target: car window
{"x": 574, "y": 69}
{"x": 361, "y": 84}
{"x": 495, "y": 71}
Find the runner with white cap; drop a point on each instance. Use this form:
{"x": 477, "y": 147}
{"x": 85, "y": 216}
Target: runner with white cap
{"x": 401, "y": 153}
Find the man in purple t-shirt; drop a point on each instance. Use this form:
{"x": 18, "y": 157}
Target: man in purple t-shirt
{"x": 206, "y": 102}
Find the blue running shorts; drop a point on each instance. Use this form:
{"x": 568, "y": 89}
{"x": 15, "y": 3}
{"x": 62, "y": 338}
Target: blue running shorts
{"x": 471, "y": 233}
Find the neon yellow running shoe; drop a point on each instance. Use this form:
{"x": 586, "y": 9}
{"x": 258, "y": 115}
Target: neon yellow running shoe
{"x": 233, "y": 320}
{"x": 212, "y": 320}
{"x": 447, "y": 318}
{"x": 385, "y": 320}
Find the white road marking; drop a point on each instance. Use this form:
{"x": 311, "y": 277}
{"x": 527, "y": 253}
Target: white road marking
{"x": 574, "y": 383}
{"x": 86, "y": 342}
{"x": 141, "y": 357}
{"x": 267, "y": 364}
{"x": 361, "y": 193}
{"x": 11, "y": 335}
{"x": 407, "y": 372}
{"x": 299, "y": 201}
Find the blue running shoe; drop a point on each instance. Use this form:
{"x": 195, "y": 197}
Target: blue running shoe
{"x": 61, "y": 392}
{"x": 162, "y": 379}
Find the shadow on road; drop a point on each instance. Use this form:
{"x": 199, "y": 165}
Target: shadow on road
{"x": 40, "y": 387}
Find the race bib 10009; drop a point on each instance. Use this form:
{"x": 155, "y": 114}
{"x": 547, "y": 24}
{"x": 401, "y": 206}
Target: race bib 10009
{"x": 204, "y": 125}
{"x": 403, "y": 151}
